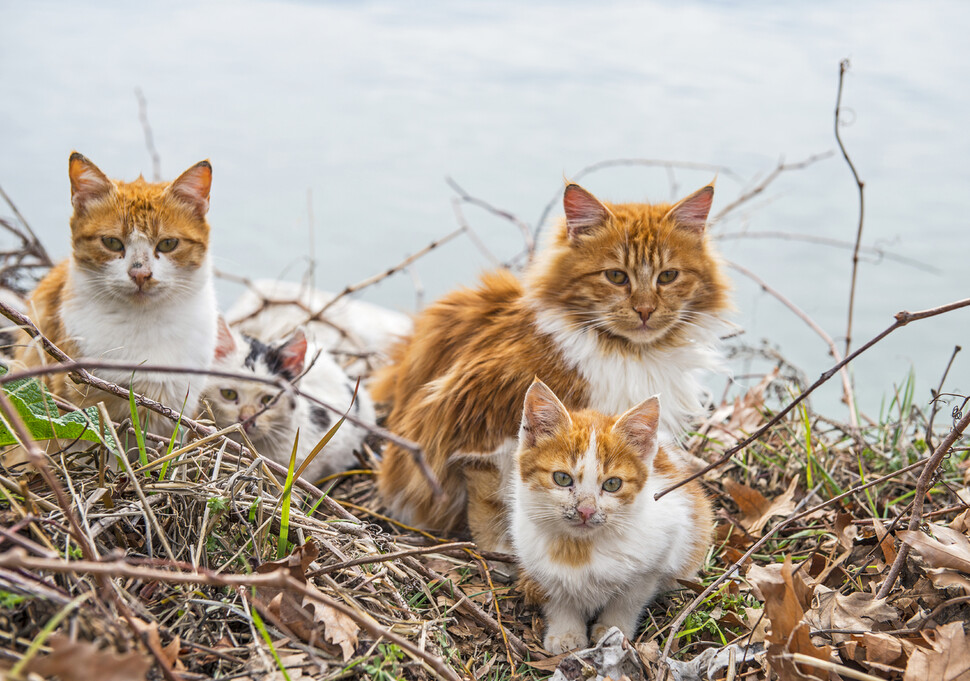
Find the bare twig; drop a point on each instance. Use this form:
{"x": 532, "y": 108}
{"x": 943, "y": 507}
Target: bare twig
{"x": 30, "y": 240}
{"x": 902, "y": 319}
{"x": 877, "y": 251}
{"x": 848, "y": 395}
{"x": 530, "y": 244}
{"x": 936, "y": 394}
{"x": 843, "y": 67}
{"x": 782, "y": 167}
{"x": 149, "y": 135}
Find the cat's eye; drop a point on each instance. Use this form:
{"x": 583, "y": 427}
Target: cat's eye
{"x": 113, "y": 244}
{"x": 617, "y": 277}
{"x": 229, "y": 394}
{"x": 667, "y": 276}
{"x": 266, "y": 399}
{"x": 612, "y": 484}
{"x": 562, "y": 479}
{"x": 167, "y": 245}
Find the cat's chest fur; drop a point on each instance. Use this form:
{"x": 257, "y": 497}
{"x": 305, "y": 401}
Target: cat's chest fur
{"x": 172, "y": 332}
{"x": 649, "y": 545}
{"x": 617, "y": 381}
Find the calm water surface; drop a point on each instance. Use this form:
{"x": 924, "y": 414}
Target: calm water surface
{"x": 332, "y": 126}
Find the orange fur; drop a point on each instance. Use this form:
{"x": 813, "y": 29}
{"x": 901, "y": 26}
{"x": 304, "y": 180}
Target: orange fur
{"x": 456, "y": 386}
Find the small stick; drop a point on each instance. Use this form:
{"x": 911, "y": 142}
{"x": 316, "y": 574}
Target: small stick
{"x": 149, "y": 135}
{"x": 936, "y": 397}
{"x": 843, "y": 67}
{"x": 530, "y": 244}
{"x": 384, "y": 557}
{"x": 847, "y": 393}
{"x": 902, "y": 319}
{"x": 33, "y": 243}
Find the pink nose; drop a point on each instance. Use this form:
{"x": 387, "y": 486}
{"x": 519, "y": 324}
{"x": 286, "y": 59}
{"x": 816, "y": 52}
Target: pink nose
{"x": 645, "y": 311}
{"x": 586, "y": 512}
{"x": 139, "y": 274}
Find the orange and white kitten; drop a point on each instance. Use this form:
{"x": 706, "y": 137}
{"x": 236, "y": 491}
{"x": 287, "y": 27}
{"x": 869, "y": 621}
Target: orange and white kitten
{"x": 590, "y": 539}
{"x": 137, "y": 287}
{"x": 625, "y": 300}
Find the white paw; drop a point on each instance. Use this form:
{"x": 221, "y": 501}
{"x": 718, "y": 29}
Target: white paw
{"x": 564, "y": 641}
{"x": 598, "y": 632}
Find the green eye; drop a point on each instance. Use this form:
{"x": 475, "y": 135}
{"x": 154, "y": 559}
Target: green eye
{"x": 266, "y": 399}
{"x": 167, "y": 245}
{"x": 113, "y": 244}
{"x": 667, "y": 276}
{"x": 612, "y": 484}
{"x": 617, "y": 277}
{"x": 229, "y": 394}
{"x": 562, "y": 479}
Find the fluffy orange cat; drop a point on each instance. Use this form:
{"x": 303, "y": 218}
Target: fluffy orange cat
{"x": 136, "y": 288}
{"x": 624, "y": 301}
{"x": 589, "y": 537}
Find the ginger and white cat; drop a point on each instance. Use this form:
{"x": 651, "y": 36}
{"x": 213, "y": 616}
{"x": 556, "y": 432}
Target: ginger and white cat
{"x": 625, "y": 300}
{"x": 271, "y": 420}
{"x": 137, "y": 288}
{"x": 590, "y": 538}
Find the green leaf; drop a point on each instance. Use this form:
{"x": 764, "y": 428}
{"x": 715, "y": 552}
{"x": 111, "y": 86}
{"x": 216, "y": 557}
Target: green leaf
{"x": 42, "y": 417}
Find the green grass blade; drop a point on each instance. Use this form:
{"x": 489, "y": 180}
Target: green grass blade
{"x": 329, "y": 434}
{"x": 136, "y": 424}
{"x": 258, "y": 622}
{"x": 171, "y": 442}
{"x": 282, "y": 547}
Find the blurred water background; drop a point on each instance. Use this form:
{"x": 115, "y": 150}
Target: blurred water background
{"x": 331, "y": 127}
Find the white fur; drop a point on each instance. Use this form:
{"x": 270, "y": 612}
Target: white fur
{"x": 353, "y": 326}
{"x": 174, "y": 324}
{"x": 637, "y": 550}
{"x": 274, "y": 432}
{"x": 618, "y": 382}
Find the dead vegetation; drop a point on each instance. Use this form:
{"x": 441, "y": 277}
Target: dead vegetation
{"x": 843, "y": 549}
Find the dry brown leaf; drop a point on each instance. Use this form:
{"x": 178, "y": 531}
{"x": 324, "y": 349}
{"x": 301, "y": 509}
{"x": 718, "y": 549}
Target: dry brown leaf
{"x": 730, "y": 423}
{"x": 886, "y": 543}
{"x": 785, "y": 597}
{"x": 948, "y": 660}
{"x": 756, "y": 510}
{"x": 858, "y": 610}
{"x": 83, "y": 661}
{"x": 943, "y": 578}
{"x": 947, "y": 548}
{"x": 303, "y": 617}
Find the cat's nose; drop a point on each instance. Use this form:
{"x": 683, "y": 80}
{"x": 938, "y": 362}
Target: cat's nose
{"x": 139, "y": 274}
{"x": 645, "y": 311}
{"x": 586, "y": 512}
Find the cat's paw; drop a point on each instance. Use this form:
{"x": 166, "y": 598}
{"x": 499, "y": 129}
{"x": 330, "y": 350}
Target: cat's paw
{"x": 598, "y": 632}
{"x": 563, "y": 641}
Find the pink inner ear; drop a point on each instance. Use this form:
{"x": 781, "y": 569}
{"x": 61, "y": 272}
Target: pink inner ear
{"x": 583, "y": 210}
{"x": 692, "y": 212}
{"x": 293, "y": 353}
{"x": 543, "y": 414}
{"x": 640, "y": 424}
{"x": 194, "y": 184}
{"x": 87, "y": 181}
{"x": 225, "y": 343}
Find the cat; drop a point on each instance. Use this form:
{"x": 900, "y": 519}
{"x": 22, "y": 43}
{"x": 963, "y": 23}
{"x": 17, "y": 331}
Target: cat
{"x": 589, "y": 537}
{"x": 271, "y": 420}
{"x": 625, "y": 300}
{"x": 137, "y": 288}
{"x": 356, "y": 331}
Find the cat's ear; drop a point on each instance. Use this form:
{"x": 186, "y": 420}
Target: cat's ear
{"x": 639, "y": 425}
{"x": 88, "y": 183}
{"x": 192, "y": 187}
{"x": 584, "y": 212}
{"x": 292, "y": 354}
{"x": 543, "y": 414}
{"x": 691, "y": 213}
{"x": 225, "y": 343}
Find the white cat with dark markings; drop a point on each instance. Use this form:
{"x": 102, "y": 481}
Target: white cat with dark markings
{"x": 271, "y": 421}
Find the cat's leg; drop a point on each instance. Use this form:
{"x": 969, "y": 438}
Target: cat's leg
{"x": 487, "y": 512}
{"x": 623, "y": 610}
{"x": 565, "y": 626}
